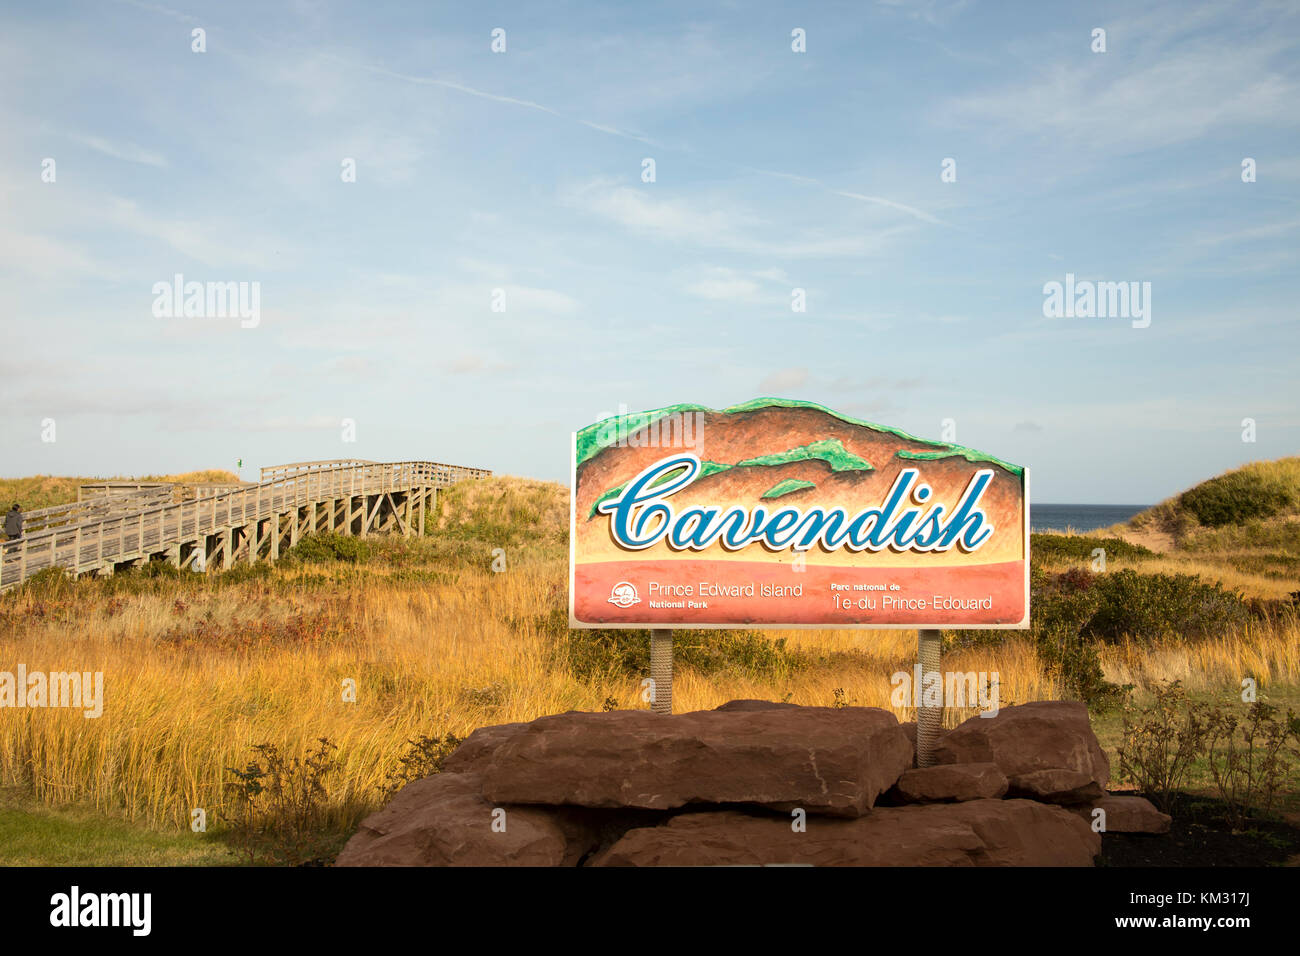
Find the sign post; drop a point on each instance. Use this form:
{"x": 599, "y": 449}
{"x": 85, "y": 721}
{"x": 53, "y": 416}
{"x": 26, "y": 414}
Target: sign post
{"x": 661, "y": 670}
{"x": 780, "y": 513}
{"x": 929, "y": 720}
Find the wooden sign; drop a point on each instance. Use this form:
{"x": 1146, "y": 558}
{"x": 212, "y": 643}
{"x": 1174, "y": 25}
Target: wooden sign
{"x": 784, "y": 514}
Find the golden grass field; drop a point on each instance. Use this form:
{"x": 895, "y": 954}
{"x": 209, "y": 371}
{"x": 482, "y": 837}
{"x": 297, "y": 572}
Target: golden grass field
{"x": 199, "y": 669}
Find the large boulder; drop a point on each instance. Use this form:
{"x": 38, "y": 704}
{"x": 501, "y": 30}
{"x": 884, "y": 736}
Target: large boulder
{"x": 443, "y": 820}
{"x": 825, "y": 760}
{"x": 751, "y": 704}
{"x": 1056, "y": 786}
{"x": 1045, "y": 735}
{"x": 951, "y": 783}
{"x": 478, "y": 746}
{"x": 1125, "y": 814}
{"x": 974, "y": 833}
{"x": 909, "y": 728}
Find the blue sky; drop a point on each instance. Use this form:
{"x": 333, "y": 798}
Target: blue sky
{"x": 522, "y": 171}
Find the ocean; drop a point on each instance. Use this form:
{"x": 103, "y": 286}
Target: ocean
{"x": 1079, "y": 517}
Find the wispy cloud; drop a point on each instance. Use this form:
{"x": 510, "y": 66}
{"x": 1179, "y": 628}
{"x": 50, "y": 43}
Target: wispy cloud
{"x": 127, "y": 152}
{"x": 710, "y": 224}
{"x": 722, "y": 284}
{"x": 1132, "y": 99}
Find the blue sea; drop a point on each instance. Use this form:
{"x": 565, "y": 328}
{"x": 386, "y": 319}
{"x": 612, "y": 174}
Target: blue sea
{"x": 1079, "y": 517}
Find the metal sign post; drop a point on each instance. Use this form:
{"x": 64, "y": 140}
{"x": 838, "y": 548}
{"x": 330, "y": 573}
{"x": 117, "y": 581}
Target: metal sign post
{"x": 929, "y": 720}
{"x": 661, "y": 670}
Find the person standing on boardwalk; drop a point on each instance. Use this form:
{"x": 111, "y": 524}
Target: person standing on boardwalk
{"x": 14, "y": 523}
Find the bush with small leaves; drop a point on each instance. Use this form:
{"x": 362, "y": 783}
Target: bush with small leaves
{"x": 279, "y": 805}
{"x": 423, "y": 758}
{"x": 1161, "y": 741}
{"x": 1250, "y": 757}
{"x": 1147, "y": 607}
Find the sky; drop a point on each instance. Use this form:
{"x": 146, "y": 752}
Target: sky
{"x": 501, "y": 270}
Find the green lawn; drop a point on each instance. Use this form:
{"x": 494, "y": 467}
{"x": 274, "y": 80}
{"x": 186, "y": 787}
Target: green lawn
{"x": 35, "y": 835}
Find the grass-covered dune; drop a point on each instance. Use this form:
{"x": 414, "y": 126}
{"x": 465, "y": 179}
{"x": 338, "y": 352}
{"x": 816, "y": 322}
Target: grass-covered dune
{"x": 44, "y": 491}
{"x": 1241, "y": 528}
{"x": 1259, "y": 493}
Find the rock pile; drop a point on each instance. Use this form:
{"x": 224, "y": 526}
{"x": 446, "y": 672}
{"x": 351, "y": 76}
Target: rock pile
{"x": 755, "y": 782}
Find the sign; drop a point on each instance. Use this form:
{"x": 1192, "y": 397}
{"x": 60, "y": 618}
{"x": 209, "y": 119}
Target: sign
{"x": 784, "y": 514}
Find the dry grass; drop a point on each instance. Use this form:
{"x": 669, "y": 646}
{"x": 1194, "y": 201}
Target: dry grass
{"x": 198, "y": 671}
{"x": 1214, "y": 556}
{"x": 192, "y": 685}
{"x": 1210, "y": 567}
{"x": 1270, "y": 654}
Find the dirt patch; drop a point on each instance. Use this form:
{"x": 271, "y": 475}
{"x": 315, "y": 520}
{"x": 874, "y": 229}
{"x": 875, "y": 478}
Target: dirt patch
{"x": 1201, "y": 836}
{"x": 1161, "y": 542}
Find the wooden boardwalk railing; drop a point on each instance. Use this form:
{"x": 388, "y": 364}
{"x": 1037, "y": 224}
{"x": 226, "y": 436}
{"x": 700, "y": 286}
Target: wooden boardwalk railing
{"x": 245, "y": 523}
{"x": 90, "y": 510}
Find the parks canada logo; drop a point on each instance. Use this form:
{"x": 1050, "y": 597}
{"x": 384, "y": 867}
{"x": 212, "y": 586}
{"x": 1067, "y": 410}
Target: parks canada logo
{"x": 624, "y": 594}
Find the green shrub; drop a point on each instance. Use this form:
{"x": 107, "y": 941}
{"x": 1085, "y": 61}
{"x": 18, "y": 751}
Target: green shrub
{"x": 1074, "y": 662}
{"x": 280, "y": 805}
{"x": 159, "y": 569}
{"x": 1074, "y": 611}
{"x": 243, "y": 572}
{"x": 1250, "y": 757}
{"x": 1235, "y": 498}
{"x": 1151, "y": 606}
{"x": 1161, "y": 741}
{"x": 1249, "y": 751}
{"x": 424, "y": 756}
{"x": 47, "y": 584}
{"x": 1059, "y": 548}
{"x": 593, "y": 653}
{"x": 322, "y": 548}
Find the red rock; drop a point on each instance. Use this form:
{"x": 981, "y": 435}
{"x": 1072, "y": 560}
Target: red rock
{"x": 478, "y": 746}
{"x": 443, "y": 820}
{"x": 951, "y": 783}
{"x": 735, "y": 705}
{"x": 909, "y": 728}
{"x": 974, "y": 833}
{"x": 823, "y": 759}
{"x": 1126, "y": 814}
{"x": 1056, "y": 786}
{"x": 1045, "y": 735}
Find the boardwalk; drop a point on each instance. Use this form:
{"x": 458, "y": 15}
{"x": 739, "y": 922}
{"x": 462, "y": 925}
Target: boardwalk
{"x": 219, "y": 525}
